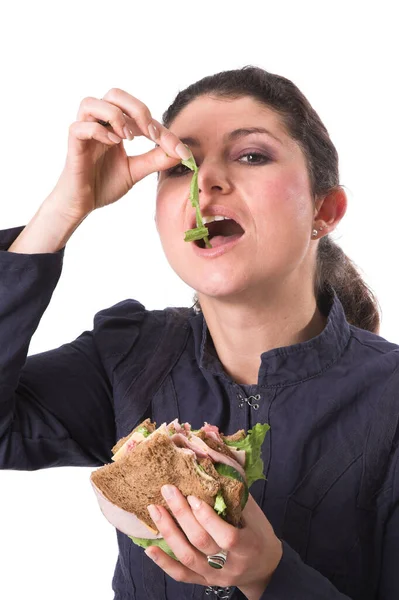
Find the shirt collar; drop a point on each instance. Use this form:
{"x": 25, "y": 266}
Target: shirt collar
{"x": 290, "y": 364}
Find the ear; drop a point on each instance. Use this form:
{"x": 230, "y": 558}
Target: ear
{"x": 331, "y": 208}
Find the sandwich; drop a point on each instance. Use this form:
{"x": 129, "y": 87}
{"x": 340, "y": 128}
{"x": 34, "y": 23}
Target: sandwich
{"x": 216, "y": 468}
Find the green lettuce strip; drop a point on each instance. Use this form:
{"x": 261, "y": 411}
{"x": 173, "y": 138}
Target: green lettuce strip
{"x": 196, "y": 234}
{"x": 200, "y": 232}
{"x": 252, "y": 444}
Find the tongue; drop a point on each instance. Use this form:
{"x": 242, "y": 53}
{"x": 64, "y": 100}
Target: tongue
{"x": 219, "y": 240}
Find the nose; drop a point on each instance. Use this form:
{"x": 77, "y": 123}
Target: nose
{"x": 213, "y": 180}
{"x": 219, "y": 187}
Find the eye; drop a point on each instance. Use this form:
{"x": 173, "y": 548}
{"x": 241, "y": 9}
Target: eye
{"x": 263, "y": 158}
{"x": 174, "y": 172}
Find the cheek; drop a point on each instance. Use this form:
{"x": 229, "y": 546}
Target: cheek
{"x": 169, "y": 222}
{"x": 286, "y": 201}
{"x": 164, "y": 214}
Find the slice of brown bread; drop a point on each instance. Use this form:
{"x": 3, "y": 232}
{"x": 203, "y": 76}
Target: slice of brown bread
{"x": 232, "y": 491}
{"x": 136, "y": 479}
{"x": 147, "y": 423}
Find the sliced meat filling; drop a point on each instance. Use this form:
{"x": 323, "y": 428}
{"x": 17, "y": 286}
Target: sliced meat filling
{"x": 212, "y": 443}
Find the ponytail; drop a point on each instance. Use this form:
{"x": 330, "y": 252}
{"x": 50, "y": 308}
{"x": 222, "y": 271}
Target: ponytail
{"x": 334, "y": 269}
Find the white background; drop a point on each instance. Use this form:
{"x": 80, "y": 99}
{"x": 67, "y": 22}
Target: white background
{"x": 54, "y": 542}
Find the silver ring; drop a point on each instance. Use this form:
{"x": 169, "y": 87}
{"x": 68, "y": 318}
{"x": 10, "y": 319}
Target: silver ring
{"x": 218, "y": 560}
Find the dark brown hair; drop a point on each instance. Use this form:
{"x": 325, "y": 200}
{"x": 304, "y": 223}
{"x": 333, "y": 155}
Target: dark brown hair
{"x": 333, "y": 268}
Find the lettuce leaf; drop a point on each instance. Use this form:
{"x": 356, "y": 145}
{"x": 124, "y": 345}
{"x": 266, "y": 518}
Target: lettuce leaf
{"x": 144, "y": 431}
{"x": 220, "y": 505}
{"x": 145, "y": 543}
{"x": 252, "y": 444}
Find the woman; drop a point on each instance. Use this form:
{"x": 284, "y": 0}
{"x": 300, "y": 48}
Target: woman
{"x": 283, "y": 331}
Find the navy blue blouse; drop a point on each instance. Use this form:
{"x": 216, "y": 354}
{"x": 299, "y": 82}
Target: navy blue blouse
{"x": 331, "y": 403}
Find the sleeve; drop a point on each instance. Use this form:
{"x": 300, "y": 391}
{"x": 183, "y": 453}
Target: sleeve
{"x": 389, "y": 582}
{"x": 55, "y": 407}
{"x": 294, "y": 579}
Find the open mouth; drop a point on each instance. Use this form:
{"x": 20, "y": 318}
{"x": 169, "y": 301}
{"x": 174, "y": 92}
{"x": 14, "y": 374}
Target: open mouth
{"x": 221, "y": 232}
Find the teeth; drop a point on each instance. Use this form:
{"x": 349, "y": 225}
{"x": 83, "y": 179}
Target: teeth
{"x": 214, "y": 218}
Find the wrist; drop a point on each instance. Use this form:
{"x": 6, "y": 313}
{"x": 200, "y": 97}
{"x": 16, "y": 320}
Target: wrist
{"x": 47, "y": 232}
{"x": 255, "y": 590}
{"x": 58, "y": 224}
{"x": 58, "y": 205}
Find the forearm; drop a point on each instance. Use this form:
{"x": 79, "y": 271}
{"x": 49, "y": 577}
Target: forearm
{"x": 48, "y": 231}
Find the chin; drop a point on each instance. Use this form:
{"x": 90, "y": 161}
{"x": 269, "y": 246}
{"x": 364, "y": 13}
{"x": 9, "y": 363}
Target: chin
{"x": 218, "y": 288}
{"x": 210, "y": 278}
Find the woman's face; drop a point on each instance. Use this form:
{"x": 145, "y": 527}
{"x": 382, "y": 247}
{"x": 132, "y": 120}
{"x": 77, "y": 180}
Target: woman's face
{"x": 270, "y": 194}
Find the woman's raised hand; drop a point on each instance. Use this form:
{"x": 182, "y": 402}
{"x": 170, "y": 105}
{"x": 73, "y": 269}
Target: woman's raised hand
{"x": 97, "y": 170}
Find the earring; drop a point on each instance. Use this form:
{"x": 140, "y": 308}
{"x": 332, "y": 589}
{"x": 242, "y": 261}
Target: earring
{"x": 315, "y": 232}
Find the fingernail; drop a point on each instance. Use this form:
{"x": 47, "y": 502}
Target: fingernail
{"x": 168, "y": 491}
{"x": 193, "y": 502}
{"x": 154, "y": 512}
{"x": 183, "y": 151}
{"x": 128, "y": 133}
{"x": 153, "y": 132}
{"x": 114, "y": 138}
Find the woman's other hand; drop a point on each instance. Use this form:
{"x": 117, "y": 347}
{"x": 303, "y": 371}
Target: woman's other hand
{"x": 253, "y": 551}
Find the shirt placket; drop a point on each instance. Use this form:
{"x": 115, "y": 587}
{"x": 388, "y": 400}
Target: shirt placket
{"x": 252, "y": 397}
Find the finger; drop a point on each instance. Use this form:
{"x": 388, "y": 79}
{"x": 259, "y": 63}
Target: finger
{"x": 93, "y": 109}
{"x": 142, "y": 119}
{"x": 255, "y": 524}
{"x": 165, "y": 136}
{"x": 150, "y": 162}
{"x": 226, "y": 536}
{"x": 81, "y": 131}
{"x": 177, "y": 541}
{"x": 174, "y": 569}
{"x": 199, "y": 538}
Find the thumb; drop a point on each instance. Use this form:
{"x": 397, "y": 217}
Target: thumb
{"x": 252, "y": 513}
{"x": 150, "y": 162}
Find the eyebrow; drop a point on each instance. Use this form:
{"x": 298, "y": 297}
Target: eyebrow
{"x": 232, "y": 136}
